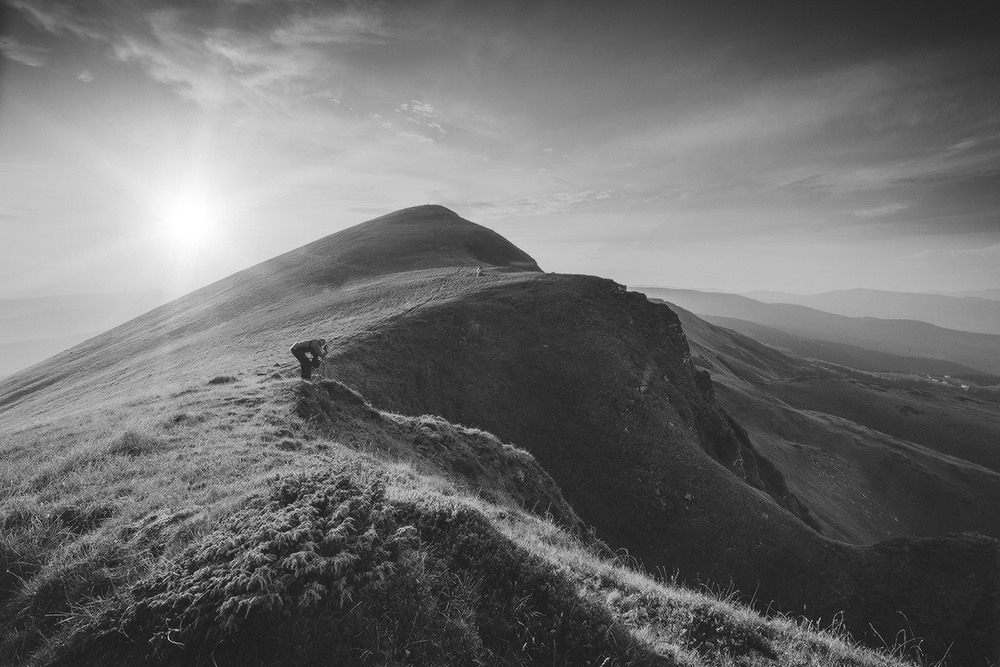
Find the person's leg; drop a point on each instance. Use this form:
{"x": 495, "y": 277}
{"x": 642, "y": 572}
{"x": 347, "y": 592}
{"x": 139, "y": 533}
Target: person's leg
{"x": 304, "y": 363}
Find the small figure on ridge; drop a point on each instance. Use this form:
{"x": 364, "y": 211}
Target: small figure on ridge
{"x": 303, "y": 349}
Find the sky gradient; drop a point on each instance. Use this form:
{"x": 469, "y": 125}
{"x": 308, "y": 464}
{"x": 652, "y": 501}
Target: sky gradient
{"x": 791, "y": 146}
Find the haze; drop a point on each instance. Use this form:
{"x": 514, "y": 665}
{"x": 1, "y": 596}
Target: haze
{"x": 735, "y": 146}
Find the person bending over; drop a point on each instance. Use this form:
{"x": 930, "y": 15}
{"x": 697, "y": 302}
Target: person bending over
{"x": 302, "y": 350}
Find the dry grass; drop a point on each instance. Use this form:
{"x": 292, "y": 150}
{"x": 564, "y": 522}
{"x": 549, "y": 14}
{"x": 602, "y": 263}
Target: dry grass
{"x": 112, "y": 505}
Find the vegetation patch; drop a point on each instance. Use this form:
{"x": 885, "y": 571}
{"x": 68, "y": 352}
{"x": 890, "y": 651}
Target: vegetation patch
{"x": 134, "y": 443}
{"x": 42, "y": 573}
{"x": 478, "y": 461}
{"x": 223, "y": 379}
{"x": 324, "y": 569}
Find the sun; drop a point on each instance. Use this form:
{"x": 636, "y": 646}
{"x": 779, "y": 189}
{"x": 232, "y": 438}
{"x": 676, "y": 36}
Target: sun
{"x": 188, "y": 221}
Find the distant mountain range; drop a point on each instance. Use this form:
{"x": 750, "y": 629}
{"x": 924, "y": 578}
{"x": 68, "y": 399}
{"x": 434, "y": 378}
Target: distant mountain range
{"x": 900, "y": 338}
{"x": 964, "y": 313}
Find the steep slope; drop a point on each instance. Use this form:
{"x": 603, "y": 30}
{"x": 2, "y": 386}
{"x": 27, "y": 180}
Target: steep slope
{"x": 598, "y": 385}
{"x": 977, "y": 315}
{"x": 594, "y": 382}
{"x": 898, "y": 337}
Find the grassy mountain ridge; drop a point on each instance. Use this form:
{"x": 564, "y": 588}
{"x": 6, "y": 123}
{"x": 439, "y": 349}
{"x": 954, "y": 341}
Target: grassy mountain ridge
{"x": 125, "y": 457}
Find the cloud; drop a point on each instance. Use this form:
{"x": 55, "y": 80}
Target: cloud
{"x": 60, "y": 18}
{"x": 33, "y": 56}
{"x": 351, "y": 27}
{"x": 930, "y": 254}
{"x": 879, "y": 211}
{"x": 538, "y": 205}
{"x": 416, "y": 138}
{"x": 85, "y": 76}
{"x": 266, "y": 53}
{"x": 423, "y": 115}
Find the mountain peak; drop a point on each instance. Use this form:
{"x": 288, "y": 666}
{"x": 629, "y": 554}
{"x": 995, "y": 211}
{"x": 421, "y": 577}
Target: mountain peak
{"x": 429, "y": 236}
{"x": 421, "y": 213}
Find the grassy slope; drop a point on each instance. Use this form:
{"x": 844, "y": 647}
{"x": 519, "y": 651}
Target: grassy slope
{"x": 121, "y": 447}
{"x": 97, "y": 539}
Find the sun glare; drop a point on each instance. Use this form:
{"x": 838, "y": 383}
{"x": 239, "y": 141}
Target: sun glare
{"x": 188, "y": 222}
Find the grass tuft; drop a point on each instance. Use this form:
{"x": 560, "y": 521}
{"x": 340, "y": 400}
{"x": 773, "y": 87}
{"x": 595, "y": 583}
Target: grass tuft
{"x": 134, "y": 443}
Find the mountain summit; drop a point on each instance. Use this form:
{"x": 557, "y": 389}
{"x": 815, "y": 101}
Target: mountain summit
{"x": 420, "y": 237}
{"x": 154, "y": 432}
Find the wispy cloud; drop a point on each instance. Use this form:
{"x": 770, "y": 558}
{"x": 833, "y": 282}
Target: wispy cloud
{"x": 880, "y": 211}
{"x": 353, "y": 26}
{"x": 538, "y": 205}
{"x": 33, "y": 56}
{"x": 953, "y": 253}
{"x": 279, "y": 56}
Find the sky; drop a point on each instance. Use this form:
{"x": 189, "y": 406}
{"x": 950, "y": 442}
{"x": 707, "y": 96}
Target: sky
{"x": 795, "y": 146}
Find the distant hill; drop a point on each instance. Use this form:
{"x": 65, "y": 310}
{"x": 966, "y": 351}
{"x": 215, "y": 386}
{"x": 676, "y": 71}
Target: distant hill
{"x": 23, "y": 353}
{"x": 32, "y": 329}
{"x": 904, "y": 338}
{"x": 978, "y": 315}
{"x": 174, "y": 494}
{"x": 851, "y": 355}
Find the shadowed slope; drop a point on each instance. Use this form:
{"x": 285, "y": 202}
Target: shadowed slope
{"x": 597, "y": 384}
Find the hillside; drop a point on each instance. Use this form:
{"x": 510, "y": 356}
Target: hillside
{"x": 184, "y": 435}
{"x": 904, "y": 338}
